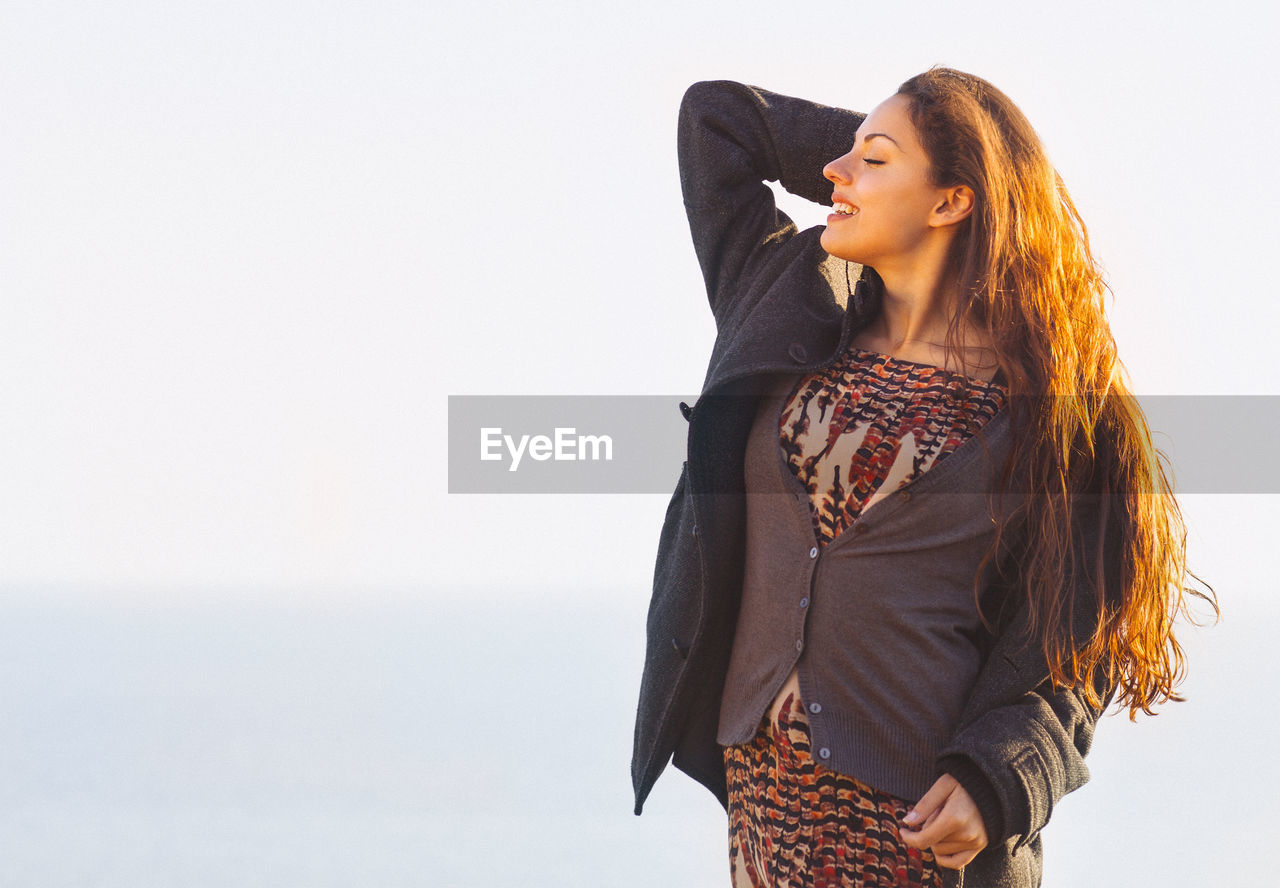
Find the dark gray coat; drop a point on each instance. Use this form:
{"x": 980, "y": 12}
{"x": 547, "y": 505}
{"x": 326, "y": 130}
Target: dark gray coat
{"x": 782, "y": 304}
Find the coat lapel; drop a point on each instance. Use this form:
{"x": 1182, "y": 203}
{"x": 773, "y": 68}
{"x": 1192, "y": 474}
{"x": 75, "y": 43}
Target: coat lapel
{"x": 781, "y": 332}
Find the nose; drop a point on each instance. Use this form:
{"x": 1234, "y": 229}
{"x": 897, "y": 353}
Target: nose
{"x": 837, "y": 171}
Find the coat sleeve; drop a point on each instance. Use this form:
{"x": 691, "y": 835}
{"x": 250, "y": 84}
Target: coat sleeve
{"x": 1018, "y": 758}
{"x": 732, "y": 139}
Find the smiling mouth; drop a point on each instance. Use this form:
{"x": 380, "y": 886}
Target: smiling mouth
{"x": 844, "y": 209}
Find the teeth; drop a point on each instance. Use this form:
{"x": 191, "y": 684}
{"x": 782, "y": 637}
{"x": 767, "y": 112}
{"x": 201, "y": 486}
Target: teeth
{"x": 844, "y": 209}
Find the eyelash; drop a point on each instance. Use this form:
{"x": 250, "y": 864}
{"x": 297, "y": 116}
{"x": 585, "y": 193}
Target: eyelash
{"x": 871, "y": 162}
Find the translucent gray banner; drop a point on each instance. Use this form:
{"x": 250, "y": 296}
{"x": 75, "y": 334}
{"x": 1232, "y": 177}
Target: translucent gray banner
{"x": 637, "y": 443}
{"x": 565, "y": 443}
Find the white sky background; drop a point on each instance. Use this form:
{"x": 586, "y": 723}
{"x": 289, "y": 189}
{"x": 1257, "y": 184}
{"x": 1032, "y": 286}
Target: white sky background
{"x": 249, "y": 249}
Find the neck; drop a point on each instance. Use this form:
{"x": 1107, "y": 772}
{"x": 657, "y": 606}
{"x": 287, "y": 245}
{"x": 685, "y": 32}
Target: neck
{"x": 916, "y": 311}
{"x": 916, "y": 308}
{"x": 910, "y": 315}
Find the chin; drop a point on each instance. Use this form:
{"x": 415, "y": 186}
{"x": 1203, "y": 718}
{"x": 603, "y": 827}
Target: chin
{"x": 835, "y": 248}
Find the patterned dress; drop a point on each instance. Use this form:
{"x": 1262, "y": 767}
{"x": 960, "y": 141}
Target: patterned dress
{"x": 853, "y": 434}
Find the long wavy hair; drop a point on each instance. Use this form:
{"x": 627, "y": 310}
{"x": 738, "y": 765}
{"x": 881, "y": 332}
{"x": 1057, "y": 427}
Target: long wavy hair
{"x": 1022, "y": 271}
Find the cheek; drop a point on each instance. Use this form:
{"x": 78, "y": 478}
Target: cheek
{"x": 906, "y": 205}
{"x": 888, "y": 199}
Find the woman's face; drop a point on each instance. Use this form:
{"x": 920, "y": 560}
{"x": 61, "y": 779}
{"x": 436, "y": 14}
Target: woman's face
{"x": 883, "y": 197}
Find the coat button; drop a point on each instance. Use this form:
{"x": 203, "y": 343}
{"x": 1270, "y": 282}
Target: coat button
{"x": 798, "y": 352}
{"x": 685, "y": 410}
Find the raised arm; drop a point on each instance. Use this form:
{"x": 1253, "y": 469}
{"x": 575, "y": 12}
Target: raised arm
{"x": 732, "y": 139}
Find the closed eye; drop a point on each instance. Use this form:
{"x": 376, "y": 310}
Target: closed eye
{"x": 870, "y": 162}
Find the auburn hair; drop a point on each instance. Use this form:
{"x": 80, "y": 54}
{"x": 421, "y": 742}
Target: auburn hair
{"x": 1021, "y": 269}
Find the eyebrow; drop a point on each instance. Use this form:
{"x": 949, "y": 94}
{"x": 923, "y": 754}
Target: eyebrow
{"x": 867, "y": 138}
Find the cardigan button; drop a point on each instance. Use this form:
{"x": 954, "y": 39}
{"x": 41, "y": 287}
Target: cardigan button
{"x": 815, "y": 708}
{"x": 804, "y": 602}
{"x": 798, "y": 352}
{"x": 824, "y": 753}
{"x": 813, "y": 553}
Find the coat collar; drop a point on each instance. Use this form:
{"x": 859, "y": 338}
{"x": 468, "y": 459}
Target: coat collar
{"x": 795, "y": 326}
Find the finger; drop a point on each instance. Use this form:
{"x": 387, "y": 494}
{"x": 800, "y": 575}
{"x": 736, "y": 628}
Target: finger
{"x": 906, "y": 831}
{"x": 955, "y": 847}
{"x": 955, "y": 861}
{"x": 940, "y": 829}
{"x": 930, "y": 801}
{"x": 942, "y": 825}
{"x": 912, "y": 837}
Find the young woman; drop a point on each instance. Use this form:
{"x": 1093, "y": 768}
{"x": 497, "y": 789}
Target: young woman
{"x": 921, "y": 539}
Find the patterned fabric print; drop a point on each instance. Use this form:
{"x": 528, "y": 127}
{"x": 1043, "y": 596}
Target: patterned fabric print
{"x": 857, "y": 431}
{"x": 796, "y": 824}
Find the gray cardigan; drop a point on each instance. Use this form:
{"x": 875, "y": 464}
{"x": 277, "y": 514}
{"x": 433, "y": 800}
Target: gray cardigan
{"x": 881, "y": 623}
{"x": 782, "y": 304}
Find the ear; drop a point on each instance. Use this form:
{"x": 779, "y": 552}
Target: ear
{"x": 954, "y": 205}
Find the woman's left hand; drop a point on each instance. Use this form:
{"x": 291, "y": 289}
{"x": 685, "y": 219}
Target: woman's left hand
{"x": 947, "y": 822}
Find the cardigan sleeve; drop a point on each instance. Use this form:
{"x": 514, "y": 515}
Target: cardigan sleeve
{"x": 732, "y": 138}
{"x": 1019, "y": 758}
